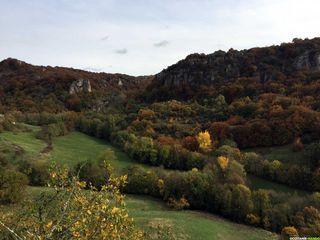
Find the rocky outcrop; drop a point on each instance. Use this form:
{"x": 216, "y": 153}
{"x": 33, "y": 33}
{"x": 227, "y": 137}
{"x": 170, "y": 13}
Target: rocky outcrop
{"x": 80, "y": 85}
{"x": 201, "y": 69}
{"x": 317, "y": 61}
{"x": 309, "y": 60}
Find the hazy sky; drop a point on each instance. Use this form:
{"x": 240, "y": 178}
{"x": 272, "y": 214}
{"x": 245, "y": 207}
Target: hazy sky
{"x": 142, "y": 37}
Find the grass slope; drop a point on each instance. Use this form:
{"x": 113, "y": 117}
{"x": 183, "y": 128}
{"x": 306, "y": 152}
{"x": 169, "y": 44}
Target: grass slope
{"x": 70, "y": 149}
{"x": 149, "y": 212}
{"x": 77, "y": 147}
{"x": 26, "y": 140}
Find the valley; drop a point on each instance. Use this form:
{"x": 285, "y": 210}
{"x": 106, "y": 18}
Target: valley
{"x": 147, "y": 212}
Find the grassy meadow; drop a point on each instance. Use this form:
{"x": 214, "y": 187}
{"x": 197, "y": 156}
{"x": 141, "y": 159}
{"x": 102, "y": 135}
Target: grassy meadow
{"x": 149, "y": 212}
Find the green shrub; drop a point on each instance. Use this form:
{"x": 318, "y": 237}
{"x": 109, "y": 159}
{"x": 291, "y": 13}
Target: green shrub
{"x": 12, "y": 185}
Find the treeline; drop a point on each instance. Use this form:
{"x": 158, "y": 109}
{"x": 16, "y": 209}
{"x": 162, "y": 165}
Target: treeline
{"x": 223, "y": 192}
{"x": 280, "y": 128}
{"x": 215, "y": 182}
{"x": 175, "y": 156}
{"x": 293, "y": 175}
{"x": 142, "y": 149}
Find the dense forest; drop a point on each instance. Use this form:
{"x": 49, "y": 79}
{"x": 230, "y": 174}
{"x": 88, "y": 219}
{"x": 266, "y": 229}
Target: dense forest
{"x": 204, "y": 116}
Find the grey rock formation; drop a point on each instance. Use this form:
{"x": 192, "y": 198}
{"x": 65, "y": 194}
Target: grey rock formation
{"x": 80, "y": 85}
{"x": 303, "y": 61}
{"x": 308, "y": 60}
{"x": 200, "y": 69}
{"x": 317, "y": 61}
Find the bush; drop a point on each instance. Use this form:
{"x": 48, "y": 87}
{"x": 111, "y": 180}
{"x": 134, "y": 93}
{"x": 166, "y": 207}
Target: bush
{"x": 37, "y": 171}
{"x": 180, "y": 204}
{"x": 288, "y": 232}
{"x": 12, "y": 185}
{"x": 141, "y": 181}
{"x": 92, "y": 172}
{"x": 52, "y": 130}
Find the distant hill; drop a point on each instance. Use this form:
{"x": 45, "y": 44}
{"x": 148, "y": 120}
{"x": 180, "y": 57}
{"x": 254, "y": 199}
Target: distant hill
{"x": 36, "y": 88}
{"x": 290, "y": 69}
{"x": 283, "y": 64}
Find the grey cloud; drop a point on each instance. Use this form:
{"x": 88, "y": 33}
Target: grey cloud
{"x": 121, "y": 51}
{"x": 161, "y": 44}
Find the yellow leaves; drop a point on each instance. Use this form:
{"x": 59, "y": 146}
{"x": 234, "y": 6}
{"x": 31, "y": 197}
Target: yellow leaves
{"x": 77, "y": 224}
{"x": 223, "y": 162}
{"x": 53, "y": 174}
{"x": 81, "y": 184}
{"x": 88, "y": 214}
{"x": 76, "y": 234}
{"x": 161, "y": 186}
{"x": 276, "y": 164}
{"x": 115, "y": 210}
{"x": 49, "y": 224}
{"x": 103, "y": 206}
{"x": 194, "y": 170}
{"x": 180, "y": 204}
{"x": 289, "y": 231}
{"x": 204, "y": 140}
{"x": 81, "y": 200}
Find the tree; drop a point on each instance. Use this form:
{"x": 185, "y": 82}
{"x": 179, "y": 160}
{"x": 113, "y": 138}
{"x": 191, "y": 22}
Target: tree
{"x": 223, "y": 162}
{"x": 288, "y": 232}
{"x": 220, "y": 130}
{"x": 241, "y": 203}
{"x": 142, "y": 149}
{"x": 190, "y": 143}
{"x": 308, "y": 221}
{"x": 12, "y": 185}
{"x": 261, "y": 202}
{"x": 69, "y": 212}
{"x": 204, "y": 140}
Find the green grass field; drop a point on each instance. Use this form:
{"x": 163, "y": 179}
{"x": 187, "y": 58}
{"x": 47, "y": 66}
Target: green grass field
{"x": 70, "y": 149}
{"x": 77, "y": 147}
{"x": 26, "y": 140}
{"x": 191, "y": 225}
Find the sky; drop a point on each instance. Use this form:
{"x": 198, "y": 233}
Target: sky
{"x": 142, "y": 37}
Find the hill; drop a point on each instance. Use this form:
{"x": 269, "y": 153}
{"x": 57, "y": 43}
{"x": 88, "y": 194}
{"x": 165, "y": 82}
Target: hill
{"x": 32, "y": 88}
{"x": 252, "y": 71}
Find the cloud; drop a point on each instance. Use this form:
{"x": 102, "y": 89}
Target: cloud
{"x": 92, "y": 69}
{"x": 104, "y": 38}
{"x": 121, "y": 51}
{"x": 73, "y": 33}
{"x": 163, "y": 43}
